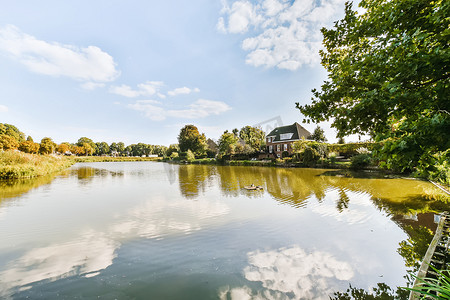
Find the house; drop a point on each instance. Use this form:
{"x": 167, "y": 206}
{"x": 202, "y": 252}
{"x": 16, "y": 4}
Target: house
{"x": 281, "y": 138}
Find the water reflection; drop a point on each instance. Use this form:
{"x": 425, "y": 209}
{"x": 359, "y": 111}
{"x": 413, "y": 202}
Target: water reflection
{"x": 297, "y": 186}
{"x": 85, "y": 175}
{"x": 193, "y": 179}
{"x": 296, "y": 257}
{"x": 86, "y": 255}
{"x": 291, "y": 273}
{"x": 18, "y": 187}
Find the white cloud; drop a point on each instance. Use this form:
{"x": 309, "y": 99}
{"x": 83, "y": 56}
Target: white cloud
{"x": 92, "y": 85}
{"x": 55, "y": 59}
{"x": 183, "y": 90}
{"x": 199, "y": 109}
{"x": 148, "y": 88}
{"x": 3, "y": 108}
{"x": 287, "y": 34}
{"x": 150, "y": 108}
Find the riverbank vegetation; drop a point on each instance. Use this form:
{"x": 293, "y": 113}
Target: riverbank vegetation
{"x": 16, "y": 164}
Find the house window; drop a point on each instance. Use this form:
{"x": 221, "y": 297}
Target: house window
{"x": 269, "y": 139}
{"x": 278, "y": 147}
{"x": 270, "y": 149}
{"x": 286, "y": 136}
{"x": 285, "y": 146}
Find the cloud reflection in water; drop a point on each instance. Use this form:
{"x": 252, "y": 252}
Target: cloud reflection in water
{"x": 93, "y": 251}
{"x": 291, "y": 273}
{"x": 87, "y": 255}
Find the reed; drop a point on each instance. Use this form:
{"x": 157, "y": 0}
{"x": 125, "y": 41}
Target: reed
{"x": 15, "y": 164}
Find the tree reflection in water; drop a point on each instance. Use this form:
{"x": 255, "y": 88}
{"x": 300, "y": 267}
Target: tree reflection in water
{"x": 409, "y": 203}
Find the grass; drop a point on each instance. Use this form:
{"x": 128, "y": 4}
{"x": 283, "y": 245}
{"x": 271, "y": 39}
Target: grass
{"x": 436, "y": 288}
{"x": 113, "y": 159}
{"x": 15, "y": 164}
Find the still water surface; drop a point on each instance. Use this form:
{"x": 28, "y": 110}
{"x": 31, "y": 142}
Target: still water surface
{"x": 145, "y": 230}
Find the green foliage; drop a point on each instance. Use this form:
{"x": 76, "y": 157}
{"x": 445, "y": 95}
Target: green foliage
{"x": 440, "y": 170}
{"x": 190, "y": 155}
{"x": 101, "y": 148}
{"x": 12, "y": 131}
{"x": 284, "y": 154}
{"x": 8, "y": 142}
{"x": 351, "y": 149}
{"x": 318, "y": 135}
{"x": 360, "y": 161}
{"x": 227, "y": 143}
{"x": 47, "y": 146}
{"x": 388, "y": 71}
{"x": 173, "y": 148}
{"x": 253, "y": 137}
{"x": 191, "y": 139}
{"x": 174, "y": 155}
{"x": 435, "y": 288}
{"x": 82, "y": 140}
{"x": 309, "y": 156}
{"x": 321, "y": 148}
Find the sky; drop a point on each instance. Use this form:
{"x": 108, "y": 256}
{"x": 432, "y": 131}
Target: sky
{"x": 138, "y": 71}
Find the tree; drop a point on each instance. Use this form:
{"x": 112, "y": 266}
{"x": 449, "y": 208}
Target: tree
{"x": 77, "y": 150}
{"x": 88, "y": 149}
{"x": 388, "y": 71}
{"x": 47, "y": 146}
{"x": 12, "y": 131}
{"x": 253, "y": 136}
{"x": 29, "y": 147}
{"x": 102, "y": 148}
{"x": 172, "y": 148}
{"x": 8, "y": 142}
{"x": 227, "y": 143}
{"x": 63, "y": 148}
{"x": 191, "y": 139}
{"x": 318, "y": 135}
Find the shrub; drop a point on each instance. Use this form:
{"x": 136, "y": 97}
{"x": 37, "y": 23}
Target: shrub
{"x": 310, "y": 156}
{"x": 360, "y": 161}
{"x": 190, "y": 155}
{"x": 284, "y": 154}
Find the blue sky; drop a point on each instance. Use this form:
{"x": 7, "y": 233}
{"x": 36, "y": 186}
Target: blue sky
{"x": 138, "y": 71}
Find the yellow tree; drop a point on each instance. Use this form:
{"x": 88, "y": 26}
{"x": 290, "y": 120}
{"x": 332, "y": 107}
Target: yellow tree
{"x": 8, "y": 142}
{"x": 62, "y": 148}
{"x": 29, "y": 147}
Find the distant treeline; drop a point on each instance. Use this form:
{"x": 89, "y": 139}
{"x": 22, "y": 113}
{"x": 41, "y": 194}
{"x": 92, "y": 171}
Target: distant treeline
{"x": 12, "y": 138}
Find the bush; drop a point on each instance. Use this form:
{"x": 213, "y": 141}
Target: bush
{"x": 190, "y": 155}
{"x": 360, "y": 161}
{"x": 284, "y": 154}
{"x": 310, "y": 156}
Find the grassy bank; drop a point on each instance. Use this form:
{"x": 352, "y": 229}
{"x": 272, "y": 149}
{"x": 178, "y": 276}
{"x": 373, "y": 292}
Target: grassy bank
{"x": 14, "y": 164}
{"x": 113, "y": 159}
{"x": 266, "y": 163}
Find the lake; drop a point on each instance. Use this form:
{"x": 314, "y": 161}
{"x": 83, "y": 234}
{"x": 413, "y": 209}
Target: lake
{"x": 149, "y": 230}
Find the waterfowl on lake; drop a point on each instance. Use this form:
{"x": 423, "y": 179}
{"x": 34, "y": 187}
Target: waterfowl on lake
{"x": 253, "y": 187}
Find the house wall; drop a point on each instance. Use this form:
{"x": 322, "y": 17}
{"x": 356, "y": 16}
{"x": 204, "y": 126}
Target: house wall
{"x": 279, "y": 147}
